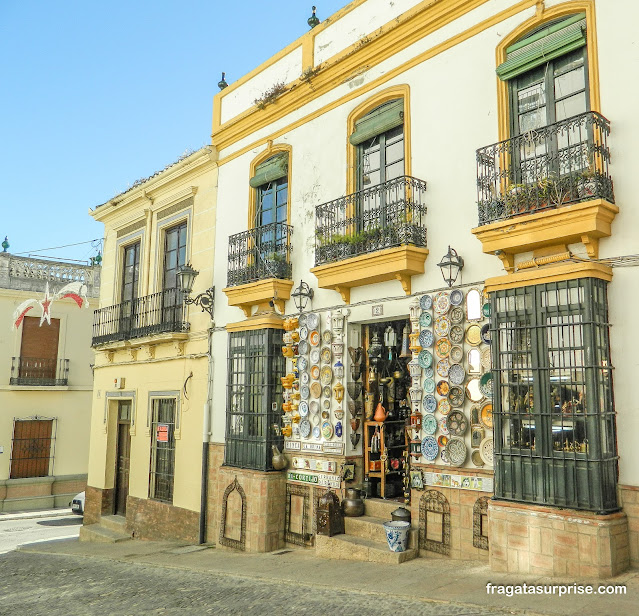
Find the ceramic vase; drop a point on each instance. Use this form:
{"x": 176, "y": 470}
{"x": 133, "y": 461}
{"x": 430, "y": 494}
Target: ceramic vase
{"x": 397, "y": 535}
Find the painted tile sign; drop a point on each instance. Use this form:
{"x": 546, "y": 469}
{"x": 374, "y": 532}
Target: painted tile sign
{"x": 461, "y": 482}
{"x": 329, "y": 481}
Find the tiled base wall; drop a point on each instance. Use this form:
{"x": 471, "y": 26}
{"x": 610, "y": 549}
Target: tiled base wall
{"x": 629, "y": 499}
{"x": 39, "y": 492}
{"x": 149, "y": 519}
{"x": 97, "y": 502}
{"x": 557, "y": 542}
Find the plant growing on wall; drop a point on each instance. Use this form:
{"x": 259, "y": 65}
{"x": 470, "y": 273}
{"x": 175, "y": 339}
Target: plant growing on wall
{"x": 271, "y": 95}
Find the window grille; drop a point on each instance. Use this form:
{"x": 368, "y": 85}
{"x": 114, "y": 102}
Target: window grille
{"x": 162, "y": 467}
{"x": 32, "y": 448}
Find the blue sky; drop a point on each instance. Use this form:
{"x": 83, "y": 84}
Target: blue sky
{"x": 98, "y": 94}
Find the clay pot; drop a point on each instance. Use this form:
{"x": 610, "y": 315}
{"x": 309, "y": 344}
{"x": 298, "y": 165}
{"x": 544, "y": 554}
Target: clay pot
{"x": 279, "y": 459}
{"x": 352, "y": 504}
{"x": 380, "y": 413}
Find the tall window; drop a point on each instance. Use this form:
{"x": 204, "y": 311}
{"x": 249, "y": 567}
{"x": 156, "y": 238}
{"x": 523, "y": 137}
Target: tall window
{"x": 255, "y": 365}
{"x": 174, "y": 258}
{"x": 38, "y": 362}
{"x": 31, "y": 448}
{"x": 162, "y": 467}
{"x": 130, "y": 272}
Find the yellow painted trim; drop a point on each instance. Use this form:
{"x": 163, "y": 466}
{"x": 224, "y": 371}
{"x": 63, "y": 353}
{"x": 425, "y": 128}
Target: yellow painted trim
{"x": 247, "y": 123}
{"x": 398, "y": 263}
{"x": 379, "y": 98}
{"x": 264, "y": 321}
{"x": 542, "y": 16}
{"x": 543, "y": 275}
{"x": 259, "y": 294}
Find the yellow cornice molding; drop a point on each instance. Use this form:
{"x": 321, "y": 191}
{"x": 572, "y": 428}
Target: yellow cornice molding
{"x": 263, "y": 321}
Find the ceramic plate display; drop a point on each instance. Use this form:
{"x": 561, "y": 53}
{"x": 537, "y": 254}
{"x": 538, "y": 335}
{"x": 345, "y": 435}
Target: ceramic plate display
{"x": 325, "y": 414}
{"x": 486, "y": 451}
{"x": 327, "y": 430}
{"x": 486, "y": 416}
{"x": 326, "y": 375}
{"x": 316, "y": 390}
{"x": 485, "y": 334}
{"x": 315, "y": 372}
{"x": 303, "y": 408}
{"x": 442, "y": 348}
{"x": 456, "y": 297}
{"x": 426, "y": 302}
{"x": 456, "y": 334}
{"x": 302, "y": 347}
{"x": 430, "y": 448}
{"x": 444, "y": 456}
{"x": 456, "y": 315}
{"x": 441, "y": 303}
{"x": 303, "y": 333}
{"x": 473, "y": 334}
{"x": 327, "y": 336}
{"x": 425, "y": 319}
{"x": 428, "y": 373}
{"x": 305, "y": 428}
{"x": 305, "y": 378}
{"x": 430, "y": 403}
{"x": 314, "y": 407}
{"x": 326, "y": 403}
{"x": 305, "y": 392}
{"x": 425, "y": 359}
{"x": 442, "y": 326}
{"x": 302, "y": 363}
{"x": 485, "y": 310}
{"x": 443, "y": 426}
{"x": 457, "y": 452}
{"x": 429, "y": 425}
{"x": 456, "y": 423}
{"x": 301, "y": 321}
{"x": 315, "y": 356}
{"x": 325, "y": 355}
{"x": 442, "y": 440}
{"x": 443, "y": 406}
{"x": 476, "y": 458}
{"x": 314, "y": 337}
{"x": 429, "y": 386}
{"x": 456, "y": 354}
{"x": 442, "y": 388}
{"x": 326, "y": 391}
{"x": 317, "y": 433}
{"x": 473, "y": 392}
{"x": 312, "y": 320}
{"x": 443, "y": 366}
{"x": 456, "y": 374}
{"x": 456, "y": 395}
{"x": 426, "y": 338}
{"x": 485, "y": 359}
{"x": 486, "y": 384}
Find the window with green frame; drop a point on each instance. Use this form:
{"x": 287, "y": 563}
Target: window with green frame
{"x": 554, "y": 413}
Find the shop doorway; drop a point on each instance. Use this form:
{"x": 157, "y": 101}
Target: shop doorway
{"x": 122, "y": 457}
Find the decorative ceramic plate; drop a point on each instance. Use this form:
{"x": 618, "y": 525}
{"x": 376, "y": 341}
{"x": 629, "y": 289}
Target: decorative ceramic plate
{"x": 442, "y": 440}
{"x": 486, "y": 416}
{"x": 314, "y": 337}
{"x": 441, "y": 303}
{"x": 485, "y": 309}
{"x": 305, "y": 428}
{"x": 473, "y": 334}
{"x": 476, "y": 458}
{"x": 430, "y": 403}
{"x": 326, "y": 392}
{"x": 317, "y": 433}
{"x": 303, "y": 408}
{"x": 313, "y": 320}
{"x": 305, "y": 392}
{"x": 485, "y": 334}
{"x": 429, "y": 425}
{"x": 456, "y": 395}
{"x": 442, "y": 326}
{"x": 338, "y": 429}
{"x": 442, "y": 388}
{"x": 426, "y": 338}
{"x": 315, "y": 356}
{"x": 456, "y": 297}
{"x": 305, "y": 378}
{"x": 456, "y": 315}
{"x": 486, "y": 384}
{"x": 444, "y": 456}
{"x": 314, "y": 407}
{"x": 327, "y": 336}
{"x": 456, "y": 423}
{"x": 457, "y": 452}
{"x": 486, "y": 451}
{"x": 426, "y": 302}
{"x": 429, "y": 448}
{"x": 303, "y": 333}
{"x": 327, "y": 430}
{"x": 325, "y": 355}
{"x": 442, "y": 347}
{"x": 443, "y": 366}
{"x": 443, "y": 426}
{"x": 456, "y": 354}
{"x": 325, "y": 414}
{"x": 301, "y": 321}
{"x": 486, "y": 361}
{"x": 315, "y": 372}
{"x": 456, "y": 374}
{"x": 326, "y": 375}
{"x": 443, "y": 406}
{"x": 428, "y": 373}
{"x": 316, "y": 390}
{"x": 302, "y": 363}
{"x": 456, "y": 334}
{"x": 326, "y": 403}
{"x": 429, "y": 386}
{"x": 473, "y": 391}
{"x": 425, "y": 319}
{"x": 425, "y": 359}
{"x": 303, "y": 347}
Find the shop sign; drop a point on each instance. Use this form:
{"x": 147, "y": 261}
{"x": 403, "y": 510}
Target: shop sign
{"x": 329, "y": 481}
{"x": 312, "y": 447}
{"x": 292, "y": 445}
{"x": 327, "y": 466}
{"x": 459, "y": 482}
{"x": 162, "y": 433}
{"x": 337, "y": 448}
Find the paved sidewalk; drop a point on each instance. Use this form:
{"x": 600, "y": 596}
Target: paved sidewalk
{"x": 40, "y": 513}
{"x": 430, "y": 579}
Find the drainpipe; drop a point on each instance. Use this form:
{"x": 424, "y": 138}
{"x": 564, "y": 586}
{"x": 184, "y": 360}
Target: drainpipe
{"x": 206, "y": 434}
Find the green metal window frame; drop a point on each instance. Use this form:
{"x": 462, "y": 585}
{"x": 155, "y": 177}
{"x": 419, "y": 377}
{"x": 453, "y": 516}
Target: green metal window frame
{"x": 254, "y": 393}
{"x": 553, "y": 404}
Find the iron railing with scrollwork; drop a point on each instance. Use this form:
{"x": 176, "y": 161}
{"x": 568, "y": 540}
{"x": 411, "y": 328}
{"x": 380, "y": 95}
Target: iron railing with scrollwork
{"x": 260, "y": 253}
{"x": 145, "y": 316}
{"x": 383, "y": 216}
{"x": 39, "y": 371}
{"x": 565, "y": 162}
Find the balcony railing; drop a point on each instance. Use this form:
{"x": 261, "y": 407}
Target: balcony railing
{"x": 383, "y": 216}
{"x": 145, "y": 316}
{"x": 260, "y": 253}
{"x": 37, "y": 371}
{"x": 562, "y": 163}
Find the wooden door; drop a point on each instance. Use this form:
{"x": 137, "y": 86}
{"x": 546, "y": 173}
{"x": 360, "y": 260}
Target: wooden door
{"x": 39, "y": 349}
{"x": 31, "y": 450}
{"x": 122, "y": 458}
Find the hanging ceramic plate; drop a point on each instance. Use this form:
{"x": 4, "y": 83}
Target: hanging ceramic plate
{"x": 443, "y": 426}
{"x": 301, "y": 321}
{"x": 326, "y": 375}
{"x": 316, "y": 390}
{"x": 486, "y": 362}
{"x": 325, "y": 414}
{"x": 456, "y": 374}
{"x": 314, "y": 337}
{"x": 473, "y": 391}
{"x": 476, "y": 458}
{"x": 304, "y": 392}
{"x": 442, "y": 388}
{"x": 456, "y": 395}
{"x": 442, "y": 440}
{"x": 430, "y": 448}
{"x": 325, "y": 355}
{"x": 442, "y": 348}
{"x": 486, "y": 384}
{"x": 428, "y": 373}
{"x": 327, "y": 336}
{"x": 456, "y": 315}
{"x": 430, "y": 403}
{"x": 429, "y": 425}
{"x": 443, "y": 406}
{"x": 303, "y": 408}
{"x": 486, "y": 451}
{"x": 429, "y": 386}
{"x": 443, "y": 366}
{"x": 303, "y": 347}
{"x": 456, "y": 354}
{"x": 338, "y": 429}
{"x": 426, "y": 338}
{"x": 426, "y": 302}
{"x": 315, "y": 356}
{"x": 326, "y": 403}
{"x": 444, "y": 456}
{"x": 485, "y": 334}
{"x": 441, "y": 302}
{"x": 456, "y": 423}
{"x": 442, "y": 326}
{"x": 327, "y": 430}
{"x": 456, "y": 297}
{"x": 486, "y": 416}
{"x": 305, "y": 378}
{"x": 457, "y": 452}
{"x": 326, "y": 392}
{"x": 317, "y": 433}
{"x": 485, "y": 309}
{"x": 302, "y": 363}
{"x": 305, "y": 428}
{"x": 314, "y": 407}
{"x": 473, "y": 334}
{"x": 425, "y": 319}
{"x": 315, "y": 372}
{"x": 313, "y": 320}
{"x": 456, "y": 334}
{"x": 425, "y": 359}
{"x": 303, "y": 333}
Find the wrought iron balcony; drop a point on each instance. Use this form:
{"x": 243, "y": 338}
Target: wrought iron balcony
{"x": 383, "y": 216}
{"x": 562, "y": 163}
{"x": 260, "y": 253}
{"x": 37, "y": 371}
{"x": 145, "y": 316}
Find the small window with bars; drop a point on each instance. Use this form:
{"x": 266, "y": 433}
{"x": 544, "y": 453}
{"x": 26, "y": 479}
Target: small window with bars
{"x": 32, "y": 448}
{"x": 162, "y": 467}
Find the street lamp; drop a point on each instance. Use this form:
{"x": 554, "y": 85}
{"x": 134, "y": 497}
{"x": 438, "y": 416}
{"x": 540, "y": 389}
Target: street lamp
{"x": 185, "y": 278}
{"x": 302, "y": 295}
{"x": 451, "y": 264}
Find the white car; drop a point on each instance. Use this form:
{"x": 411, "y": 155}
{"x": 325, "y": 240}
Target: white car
{"x": 77, "y": 504}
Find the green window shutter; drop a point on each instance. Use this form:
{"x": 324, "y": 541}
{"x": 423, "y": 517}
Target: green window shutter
{"x": 378, "y": 121}
{"x": 272, "y": 169}
{"x": 545, "y": 45}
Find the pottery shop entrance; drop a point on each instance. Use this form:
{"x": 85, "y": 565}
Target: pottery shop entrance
{"x": 386, "y": 381}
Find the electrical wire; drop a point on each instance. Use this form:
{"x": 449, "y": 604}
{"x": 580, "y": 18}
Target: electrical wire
{"x": 26, "y": 252}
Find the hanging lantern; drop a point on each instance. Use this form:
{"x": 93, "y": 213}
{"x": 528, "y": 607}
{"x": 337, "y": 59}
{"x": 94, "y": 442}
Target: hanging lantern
{"x": 338, "y": 392}
{"x": 415, "y": 311}
{"x": 337, "y": 348}
{"x": 405, "y": 342}
{"x": 451, "y": 264}
{"x": 416, "y": 421}
{"x": 414, "y": 369}
{"x": 375, "y": 350}
{"x": 338, "y": 320}
{"x": 390, "y": 337}
{"x": 416, "y": 448}
{"x": 338, "y": 369}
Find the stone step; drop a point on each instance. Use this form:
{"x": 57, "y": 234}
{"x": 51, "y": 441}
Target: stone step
{"x": 347, "y": 547}
{"x": 116, "y": 523}
{"x": 368, "y": 527}
{"x": 380, "y": 508}
{"x": 94, "y": 533}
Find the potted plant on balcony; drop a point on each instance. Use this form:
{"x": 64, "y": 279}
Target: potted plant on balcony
{"x": 517, "y": 199}
{"x": 277, "y": 265}
{"x": 587, "y": 183}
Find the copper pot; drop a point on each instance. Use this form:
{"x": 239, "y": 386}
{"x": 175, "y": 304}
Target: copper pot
{"x": 352, "y": 504}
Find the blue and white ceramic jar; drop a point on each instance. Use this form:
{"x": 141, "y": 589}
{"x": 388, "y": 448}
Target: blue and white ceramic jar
{"x": 397, "y": 535}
